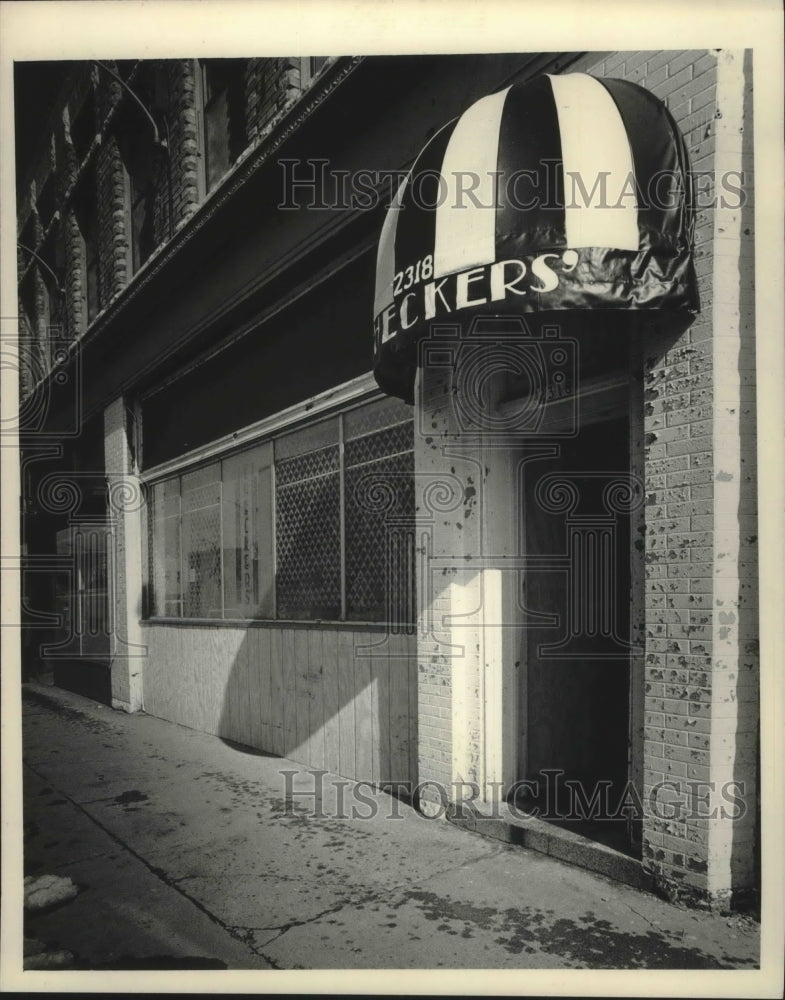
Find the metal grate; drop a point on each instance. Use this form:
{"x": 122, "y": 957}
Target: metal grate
{"x": 375, "y": 416}
{"x": 380, "y": 565}
{"x": 308, "y": 466}
{"x": 377, "y": 446}
{"x": 308, "y": 537}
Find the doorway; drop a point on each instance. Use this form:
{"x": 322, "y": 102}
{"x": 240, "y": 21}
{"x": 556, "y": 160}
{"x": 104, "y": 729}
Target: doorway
{"x": 574, "y": 697}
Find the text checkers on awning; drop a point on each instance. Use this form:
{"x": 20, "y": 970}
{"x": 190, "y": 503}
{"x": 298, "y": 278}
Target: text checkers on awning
{"x": 559, "y": 193}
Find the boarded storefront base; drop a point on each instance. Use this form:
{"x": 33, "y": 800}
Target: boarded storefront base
{"x": 342, "y": 700}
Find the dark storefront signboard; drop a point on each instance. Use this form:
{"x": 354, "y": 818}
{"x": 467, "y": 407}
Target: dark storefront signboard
{"x": 560, "y": 193}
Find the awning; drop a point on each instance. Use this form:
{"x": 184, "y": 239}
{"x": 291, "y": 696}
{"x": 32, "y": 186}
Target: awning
{"x": 560, "y": 193}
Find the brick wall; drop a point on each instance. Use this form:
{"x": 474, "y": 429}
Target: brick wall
{"x": 699, "y": 551}
{"x": 678, "y": 475}
{"x": 436, "y": 664}
{"x": 271, "y": 85}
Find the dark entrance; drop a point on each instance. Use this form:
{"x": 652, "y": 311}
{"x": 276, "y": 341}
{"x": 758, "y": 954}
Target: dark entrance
{"x": 575, "y": 696}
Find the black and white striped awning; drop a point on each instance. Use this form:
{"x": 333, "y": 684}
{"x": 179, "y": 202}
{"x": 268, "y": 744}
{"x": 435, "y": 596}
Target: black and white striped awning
{"x": 563, "y": 192}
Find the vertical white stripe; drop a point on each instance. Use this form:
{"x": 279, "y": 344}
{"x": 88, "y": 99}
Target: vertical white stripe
{"x": 595, "y": 151}
{"x": 466, "y": 218}
{"x": 385, "y": 255}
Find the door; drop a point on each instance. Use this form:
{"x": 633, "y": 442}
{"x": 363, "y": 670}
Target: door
{"x": 81, "y": 593}
{"x": 575, "y": 510}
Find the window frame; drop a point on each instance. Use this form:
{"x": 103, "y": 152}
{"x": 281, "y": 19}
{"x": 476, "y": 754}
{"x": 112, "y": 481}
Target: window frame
{"x": 309, "y": 71}
{"x": 331, "y": 405}
{"x": 145, "y": 178}
{"x": 207, "y": 102}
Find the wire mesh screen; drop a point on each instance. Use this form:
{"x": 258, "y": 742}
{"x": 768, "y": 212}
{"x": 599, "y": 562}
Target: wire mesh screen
{"x": 375, "y": 416}
{"x": 308, "y": 535}
{"x": 340, "y": 548}
{"x": 379, "y": 499}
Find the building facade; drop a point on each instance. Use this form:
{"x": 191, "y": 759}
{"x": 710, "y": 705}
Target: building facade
{"x": 228, "y": 524}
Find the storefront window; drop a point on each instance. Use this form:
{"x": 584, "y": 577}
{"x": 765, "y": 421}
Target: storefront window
{"x": 247, "y": 531}
{"x": 164, "y": 538}
{"x": 200, "y": 506}
{"x": 330, "y": 506}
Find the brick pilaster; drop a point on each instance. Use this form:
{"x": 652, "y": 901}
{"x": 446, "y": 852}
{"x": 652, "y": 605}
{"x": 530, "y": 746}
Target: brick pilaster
{"x": 185, "y": 166}
{"x": 701, "y": 604}
{"x": 114, "y": 241}
{"x": 732, "y": 763}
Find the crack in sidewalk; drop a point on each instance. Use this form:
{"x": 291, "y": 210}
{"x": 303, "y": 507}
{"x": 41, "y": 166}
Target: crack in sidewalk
{"x": 284, "y": 928}
{"x": 369, "y": 897}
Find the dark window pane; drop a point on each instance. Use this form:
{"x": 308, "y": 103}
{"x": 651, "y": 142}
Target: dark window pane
{"x": 315, "y": 63}
{"x": 46, "y": 201}
{"x": 145, "y": 163}
{"x": 201, "y": 543}
{"x": 53, "y": 253}
{"x": 164, "y": 539}
{"x": 247, "y": 534}
{"x": 83, "y": 127}
{"x": 225, "y": 137}
{"x": 216, "y": 128}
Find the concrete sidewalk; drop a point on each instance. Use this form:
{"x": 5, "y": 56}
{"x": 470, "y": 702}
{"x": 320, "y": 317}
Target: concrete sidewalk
{"x": 186, "y": 857}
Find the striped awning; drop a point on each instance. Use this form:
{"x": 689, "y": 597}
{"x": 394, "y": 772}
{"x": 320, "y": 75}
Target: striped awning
{"x": 560, "y": 193}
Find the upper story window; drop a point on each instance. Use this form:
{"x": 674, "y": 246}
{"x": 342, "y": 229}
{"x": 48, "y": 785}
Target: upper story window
{"x": 223, "y": 111}
{"x": 83, "y": 127}
{"x": 145, "y": 162}
{"x": 53, "y": 254}
{"x": 27, "y": 237}
{"x": 311, "y": 67}
{"x": 46, "y": 201}
{"x": 141, "y": 194}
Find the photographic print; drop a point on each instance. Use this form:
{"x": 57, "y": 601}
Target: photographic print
{"x": 388, "y": 591}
